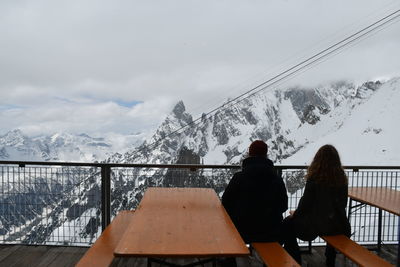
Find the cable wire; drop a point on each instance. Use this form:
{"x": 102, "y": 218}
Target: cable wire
{"x": 295, "y": 69}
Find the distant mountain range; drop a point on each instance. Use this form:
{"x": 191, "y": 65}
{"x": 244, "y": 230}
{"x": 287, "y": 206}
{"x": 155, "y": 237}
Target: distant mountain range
{"x": 15, "y": 145}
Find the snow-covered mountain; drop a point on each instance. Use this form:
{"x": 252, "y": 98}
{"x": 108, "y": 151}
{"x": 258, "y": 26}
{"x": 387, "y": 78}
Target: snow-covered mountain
{"x": 366, "y": 133}
{"x": 361, "y": 120}
{"x": 14, "y": 145}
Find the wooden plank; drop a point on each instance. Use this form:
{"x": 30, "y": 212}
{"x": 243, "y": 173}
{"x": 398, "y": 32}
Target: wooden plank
{"x": 273, "y": 254}
{"x": 19, "y": 258}
{"x": 101, "y": 253}
{"x": 69, "y": 256}
{"x": 181, "y": 222}
{"x": 354, "y": 251}
{"x": 123, "y": 262}
{"x": 6, "y": 251}
{"x": 382, "y": 197}
{"x": 49, "y": 258}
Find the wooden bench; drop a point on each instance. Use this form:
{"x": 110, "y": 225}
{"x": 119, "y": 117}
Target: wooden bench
{"x": 102, "y": 251}
{"x": 354, "y": 251}
{"x": 273, "y": 254}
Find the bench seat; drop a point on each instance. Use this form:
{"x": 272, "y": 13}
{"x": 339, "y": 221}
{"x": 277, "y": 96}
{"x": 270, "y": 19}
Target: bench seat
{"x": 273, "y": 254}
{"x": 102, "y": 251}
{"x": 355, "y": 252}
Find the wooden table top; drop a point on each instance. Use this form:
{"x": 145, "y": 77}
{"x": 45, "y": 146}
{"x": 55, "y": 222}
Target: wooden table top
{"x": 382, "y": 197}
{"x": 181, "y": 222}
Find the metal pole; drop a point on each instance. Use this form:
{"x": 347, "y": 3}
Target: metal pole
{"x": 379, "y": 229}
{"x": 105, "y": 196}
{"x": 349, "y": 211}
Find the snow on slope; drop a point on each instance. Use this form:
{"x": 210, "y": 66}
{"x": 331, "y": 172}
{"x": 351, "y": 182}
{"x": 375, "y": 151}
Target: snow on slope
{"x": 368, "y": 135}
{"x": 292, "y": 121}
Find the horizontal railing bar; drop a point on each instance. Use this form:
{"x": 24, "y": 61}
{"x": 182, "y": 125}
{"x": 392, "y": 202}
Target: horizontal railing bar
{"x": 183, "y": 166}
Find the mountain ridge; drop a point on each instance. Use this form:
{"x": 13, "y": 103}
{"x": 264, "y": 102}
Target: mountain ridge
{"x": 276, "y": 116}
{"x": 293, "y": 121}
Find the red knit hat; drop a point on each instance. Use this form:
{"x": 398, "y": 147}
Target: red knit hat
{"x": 258, "y": 148}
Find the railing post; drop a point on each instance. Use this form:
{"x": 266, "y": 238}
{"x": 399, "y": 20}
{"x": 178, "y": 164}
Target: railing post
{"x": 379, "y": 229}
{"x": 279, "y": 172}
{"x": 105, "y": 196}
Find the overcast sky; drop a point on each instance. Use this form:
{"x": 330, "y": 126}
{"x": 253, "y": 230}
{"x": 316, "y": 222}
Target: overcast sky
{"x": 98, "y": 66}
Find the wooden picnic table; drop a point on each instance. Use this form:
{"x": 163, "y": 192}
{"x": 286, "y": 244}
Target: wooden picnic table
{"x": 181, "y": 222}
{"x": 382, "y": 198}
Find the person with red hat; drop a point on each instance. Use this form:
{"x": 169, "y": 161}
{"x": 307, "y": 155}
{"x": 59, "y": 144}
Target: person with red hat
{"x": 256, "y": 198}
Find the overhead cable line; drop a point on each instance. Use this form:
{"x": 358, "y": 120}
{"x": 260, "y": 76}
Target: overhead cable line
{"x": 290, "y": 71}
{"x": 320, "y": 61}
{"x": 298, "y": 55}
{"x": 321, "y": 57}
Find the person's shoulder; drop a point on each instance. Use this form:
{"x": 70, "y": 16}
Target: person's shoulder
{"x": 237, "y": 176}
{"x": 312, "y": 183}
{"x": 269, "y": 162}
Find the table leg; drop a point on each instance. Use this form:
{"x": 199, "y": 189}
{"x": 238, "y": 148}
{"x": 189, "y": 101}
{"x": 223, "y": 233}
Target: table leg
{"x": 170, "y": 264}
{"x": 349, "y": 211}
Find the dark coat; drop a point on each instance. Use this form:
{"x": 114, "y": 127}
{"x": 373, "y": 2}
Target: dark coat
{"x": 321, "y": 211}
{"x": 255, "y": 199}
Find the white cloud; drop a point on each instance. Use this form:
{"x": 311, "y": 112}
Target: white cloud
{"x": 65, "y": 63}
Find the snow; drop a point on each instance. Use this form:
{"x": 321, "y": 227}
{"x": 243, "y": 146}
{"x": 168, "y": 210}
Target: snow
{"x": 367, "y": 136}
{"x": 288, "y": 115}
{"x": 69, "y": 231}
{"x": 215, "y": 156}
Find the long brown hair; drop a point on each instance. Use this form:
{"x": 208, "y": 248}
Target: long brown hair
{"x": 326, "y": 167}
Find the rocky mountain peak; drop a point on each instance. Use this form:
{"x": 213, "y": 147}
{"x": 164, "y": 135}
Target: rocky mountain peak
{"x": 179, "y": 109}
{"x": 367, "y": 89}
{"x": 180, "y": 115}
{"x": 13, "y": 138}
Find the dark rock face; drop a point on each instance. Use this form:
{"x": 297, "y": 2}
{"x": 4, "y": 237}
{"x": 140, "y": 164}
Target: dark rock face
{"x": 367, "y": 88}
{"x": 308, "y": 104}
{"x": 231, "y": 153}
{"x": 309, "y": 115}
{"x": 249, "y": 116}
{"x": 180, "y": 114}
{"x": 222, "y": 129}
{"x": 3, "y": 153}
{"x": 91, "y": 228}
{"x": 295, "y": 181}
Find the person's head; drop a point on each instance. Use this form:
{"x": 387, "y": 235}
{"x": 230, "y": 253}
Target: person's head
{"x": 258, "y": 148}
{"x": 326, "y": 167}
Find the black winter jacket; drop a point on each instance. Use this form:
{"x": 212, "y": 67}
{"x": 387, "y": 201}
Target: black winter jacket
{"x": 321, "y": 211}
{"x": 255, "y": 199}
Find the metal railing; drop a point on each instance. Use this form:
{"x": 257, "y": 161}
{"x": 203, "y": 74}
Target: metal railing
{"x": 57, "y": 203}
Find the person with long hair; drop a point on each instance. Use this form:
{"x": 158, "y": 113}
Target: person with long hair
{"x": 322, "y": 208}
